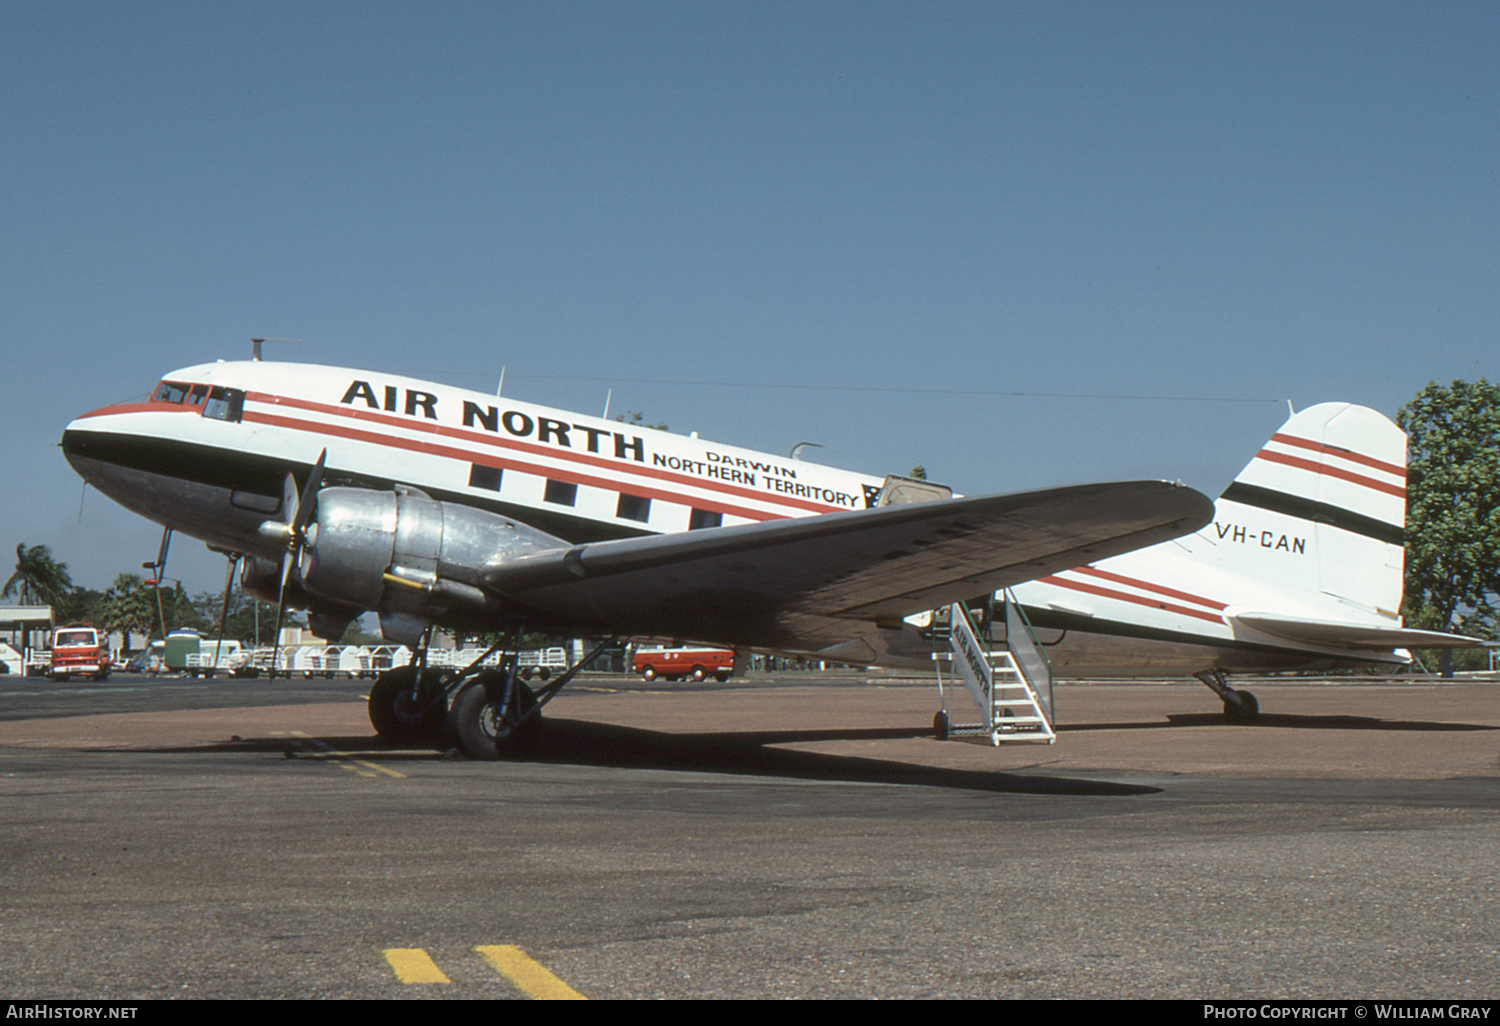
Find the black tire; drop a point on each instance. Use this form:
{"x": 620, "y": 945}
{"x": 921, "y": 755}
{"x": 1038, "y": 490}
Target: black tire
{"x": 721, "y": 677}
{"x": 481, "y": 729}
{"x": 649, "y": 673}
{"x": 393, "y": 710}
{"x": 940, "y": 726}
{"x": 1248, "y": 710}
{"x": 700, "y": 674}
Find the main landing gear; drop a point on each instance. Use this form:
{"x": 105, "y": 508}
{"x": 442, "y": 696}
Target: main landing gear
{"x": 494, "y": 716}
{"x": 487, "y": 713}
{"x": 1239, "y": 706}
{"x": 403, "y": 714}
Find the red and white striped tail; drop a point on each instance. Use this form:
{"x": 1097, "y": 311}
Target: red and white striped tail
{"x": 1323, "y": 504}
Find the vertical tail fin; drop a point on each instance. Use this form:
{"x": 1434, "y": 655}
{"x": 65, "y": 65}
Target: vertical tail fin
{"x": 1322, "y": 505}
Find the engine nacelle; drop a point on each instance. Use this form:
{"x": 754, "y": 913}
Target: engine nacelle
{"x": 261, "y": 579}
{"x": 404, "y": 553}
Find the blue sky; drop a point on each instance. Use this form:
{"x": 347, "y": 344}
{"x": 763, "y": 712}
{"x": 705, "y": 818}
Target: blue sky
{"x": 1022, "y": 244}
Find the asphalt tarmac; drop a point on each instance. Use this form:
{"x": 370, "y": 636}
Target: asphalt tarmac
{"x": 788, "y": 837}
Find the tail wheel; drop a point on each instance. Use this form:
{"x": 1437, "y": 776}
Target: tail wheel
{"x": 483, "y": 728}
{"x": 401, "y": 715}
{"x": 1247, "y": 709}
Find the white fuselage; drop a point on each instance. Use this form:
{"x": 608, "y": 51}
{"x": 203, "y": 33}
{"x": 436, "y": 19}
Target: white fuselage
{"x": 211, "y": 463}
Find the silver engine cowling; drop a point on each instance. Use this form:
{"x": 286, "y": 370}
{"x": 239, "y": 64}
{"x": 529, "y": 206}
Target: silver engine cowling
{"x": 407, "y": 555}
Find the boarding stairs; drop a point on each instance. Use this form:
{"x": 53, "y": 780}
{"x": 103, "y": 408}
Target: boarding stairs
{"x": 1012, "y": 687}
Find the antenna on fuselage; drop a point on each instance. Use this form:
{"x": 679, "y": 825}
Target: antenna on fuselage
{"x": 255, "y": 345}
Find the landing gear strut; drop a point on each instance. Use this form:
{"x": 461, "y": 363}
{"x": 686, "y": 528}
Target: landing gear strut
{"x": 1238, "y": 705}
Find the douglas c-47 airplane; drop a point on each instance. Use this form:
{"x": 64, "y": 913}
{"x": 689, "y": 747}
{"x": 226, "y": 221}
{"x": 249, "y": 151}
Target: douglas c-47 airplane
{"x": 350, "y": 491}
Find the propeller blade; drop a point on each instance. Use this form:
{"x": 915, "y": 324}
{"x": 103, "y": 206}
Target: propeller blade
{"x": 288, "y": 498}
{"x": 286, "y": 570}
{"x": 305, "y": 500}
{"x": 297, "y": 509}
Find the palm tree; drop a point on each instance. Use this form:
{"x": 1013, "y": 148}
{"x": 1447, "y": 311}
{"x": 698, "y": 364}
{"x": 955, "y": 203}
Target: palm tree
{"x": 39, "y": 579}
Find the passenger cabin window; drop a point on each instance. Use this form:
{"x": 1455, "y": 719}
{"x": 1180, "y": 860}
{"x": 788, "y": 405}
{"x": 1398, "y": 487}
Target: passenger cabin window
{"x": 481, "y": 476}
{"x": 564, "y": 493}
{"x": 633, "y": 507}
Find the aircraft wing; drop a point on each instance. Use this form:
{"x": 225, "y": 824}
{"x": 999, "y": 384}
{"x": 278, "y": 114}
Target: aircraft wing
{"x": 809, "y": 582}
{"x": 1338, "y": 634}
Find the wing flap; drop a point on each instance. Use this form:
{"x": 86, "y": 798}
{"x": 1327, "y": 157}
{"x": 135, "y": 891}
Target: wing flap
{"x": 800, "y": 581}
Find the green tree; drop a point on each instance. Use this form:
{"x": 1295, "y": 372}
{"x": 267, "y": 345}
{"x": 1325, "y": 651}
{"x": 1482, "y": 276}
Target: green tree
{"x": 637, "y": 418}
{"x": 245, "y": 613}
{"x": 39, "y": 579}
{"x": 130, "y": 606}
{"x": 179, "y": 611}
{"x": 1453, "y": 507}
{"x": 80, "y": 605}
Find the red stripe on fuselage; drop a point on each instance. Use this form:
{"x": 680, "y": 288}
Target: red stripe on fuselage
{"x": 1147, "y": 586}
{"x": 509, "y": 446}
{"x": 448, "y": 452}
{"x": 1138, "y": 600}
{"x": 142, "y": 408}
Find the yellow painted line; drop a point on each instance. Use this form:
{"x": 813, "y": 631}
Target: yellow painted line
{"x": 529, "y": 977}
{"x": 413, "y": 965}
{"x": 343, "y": 759}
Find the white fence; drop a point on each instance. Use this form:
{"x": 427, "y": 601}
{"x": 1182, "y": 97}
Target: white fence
{"x": 372, "y": 660}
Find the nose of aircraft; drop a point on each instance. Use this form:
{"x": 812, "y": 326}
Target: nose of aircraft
{"x": 76, "y": 439}
{"x": 92, "y": 450}
{"x": 75, "y": 447}
{"x": 71, "y": 441}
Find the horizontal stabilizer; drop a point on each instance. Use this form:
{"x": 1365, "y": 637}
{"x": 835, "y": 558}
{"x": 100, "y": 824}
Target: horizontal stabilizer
{"x": 1339, "y": 634}
{"x": 800, "y": 581}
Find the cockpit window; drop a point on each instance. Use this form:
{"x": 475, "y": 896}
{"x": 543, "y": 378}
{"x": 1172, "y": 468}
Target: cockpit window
{"x": 217, "y": 402}
{"x": 169, "y": 392}
{"x": 225, "y": 404}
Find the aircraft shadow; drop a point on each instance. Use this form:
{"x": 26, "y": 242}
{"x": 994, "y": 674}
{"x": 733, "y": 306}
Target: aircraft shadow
{"x": 1281, "y": 720}
{"x": 748, "y": 753}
